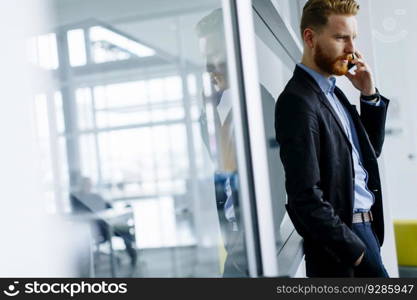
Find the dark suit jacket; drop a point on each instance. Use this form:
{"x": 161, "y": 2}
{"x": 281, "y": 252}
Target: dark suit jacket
{"x": 316, "y": 155}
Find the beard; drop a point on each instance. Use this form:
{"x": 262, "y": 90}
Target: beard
{"x": 332, "y": 66}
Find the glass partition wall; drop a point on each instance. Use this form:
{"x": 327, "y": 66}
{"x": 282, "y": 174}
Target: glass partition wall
{"x": 138, "y": 137}
{"x": 157, "y": 140}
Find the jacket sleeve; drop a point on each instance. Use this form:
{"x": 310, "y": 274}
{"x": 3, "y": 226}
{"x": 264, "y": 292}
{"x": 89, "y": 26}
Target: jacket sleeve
{"x": 298, "y": 134}
{"x": 373, "y": 119}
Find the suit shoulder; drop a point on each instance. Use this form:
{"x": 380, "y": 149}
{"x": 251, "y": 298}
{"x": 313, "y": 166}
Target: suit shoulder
{"x": 296, "y": 96}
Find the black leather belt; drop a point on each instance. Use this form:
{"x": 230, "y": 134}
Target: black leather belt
{"x": 362, "y": 217}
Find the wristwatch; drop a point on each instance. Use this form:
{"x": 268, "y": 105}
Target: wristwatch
{"x": 374, "y": 97}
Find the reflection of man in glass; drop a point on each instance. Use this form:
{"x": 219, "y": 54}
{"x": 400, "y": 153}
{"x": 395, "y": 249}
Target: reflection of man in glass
{"x": 212, "y": 44}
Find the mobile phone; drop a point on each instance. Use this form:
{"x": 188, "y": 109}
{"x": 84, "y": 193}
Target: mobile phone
{"x": 350, "y": 64}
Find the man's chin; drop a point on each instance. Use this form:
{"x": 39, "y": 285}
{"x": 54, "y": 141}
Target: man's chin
{"x": 335, "y": 69}
{"x": 340, "y": 71}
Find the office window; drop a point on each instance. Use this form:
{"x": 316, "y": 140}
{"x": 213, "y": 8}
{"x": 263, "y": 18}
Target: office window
{"x": 76, "y": 47}
{"x": 42, "y": 51}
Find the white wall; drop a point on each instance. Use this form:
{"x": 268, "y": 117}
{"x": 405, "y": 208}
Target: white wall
{"x": 395, "y": 40}
{"x": 33, "y": 244}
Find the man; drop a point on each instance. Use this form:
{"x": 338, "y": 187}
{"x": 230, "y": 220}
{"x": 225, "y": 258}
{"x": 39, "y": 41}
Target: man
{"x": 85, "y": 201}
{"x": 213, "y": 46}
{"x": 223, "y": 151}
{"x": 329, "y": 151}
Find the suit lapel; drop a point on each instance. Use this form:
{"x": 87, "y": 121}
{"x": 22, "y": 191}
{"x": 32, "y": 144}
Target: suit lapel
{"x": 360, "y": 129}
{"x": 326, "y": 103}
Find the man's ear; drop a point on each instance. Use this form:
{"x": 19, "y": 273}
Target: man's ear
{"x": 309, "y": 37}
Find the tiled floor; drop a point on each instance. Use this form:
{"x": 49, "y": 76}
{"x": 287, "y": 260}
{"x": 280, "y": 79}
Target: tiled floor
{"x": 161, "y": 262}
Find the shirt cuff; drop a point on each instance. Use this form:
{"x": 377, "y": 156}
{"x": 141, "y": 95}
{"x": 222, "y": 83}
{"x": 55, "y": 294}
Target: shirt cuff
{"x": 373, "y": 103}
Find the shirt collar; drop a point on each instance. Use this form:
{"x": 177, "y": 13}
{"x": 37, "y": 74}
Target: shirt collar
{"x": 327, "y": 85}
{"x": 225, "y": 106}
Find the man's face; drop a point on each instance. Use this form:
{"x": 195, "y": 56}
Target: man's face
{"x": 212, "y": 47}
{"x": 335, "y": 44}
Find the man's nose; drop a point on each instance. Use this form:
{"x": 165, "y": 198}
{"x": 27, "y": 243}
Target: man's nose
{"x": 350, "y": 46}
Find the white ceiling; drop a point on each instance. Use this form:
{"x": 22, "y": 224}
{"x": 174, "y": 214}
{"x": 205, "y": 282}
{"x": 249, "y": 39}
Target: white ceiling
{"x": 69, "y": 11}
{"x": 154, "y": 22}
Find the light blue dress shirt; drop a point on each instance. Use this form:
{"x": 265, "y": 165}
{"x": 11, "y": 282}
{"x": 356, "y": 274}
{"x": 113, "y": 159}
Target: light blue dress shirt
{"x": 364, "y": 198}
